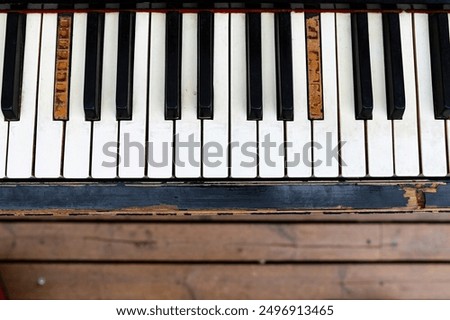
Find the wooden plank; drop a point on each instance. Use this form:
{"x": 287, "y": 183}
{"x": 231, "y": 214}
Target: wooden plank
{"x": 210, "y": 281}
{"x": 149, "y": 197}
{"x": 223, "y": 242}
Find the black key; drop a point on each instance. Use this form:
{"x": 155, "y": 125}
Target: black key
{"x": 395, "y": 85}
{"x": 173, "y": 66}
{"x": 361, "y": 67}
{"x": 283, "y": 44}
{"x": 13, "y": 65}
{"x": 254, "y": 71}
{"x": 125, "y": 59}
{"x": 440, "y": 64}
{"x": 93, "y": 66}
{"x": 205, "y": 65}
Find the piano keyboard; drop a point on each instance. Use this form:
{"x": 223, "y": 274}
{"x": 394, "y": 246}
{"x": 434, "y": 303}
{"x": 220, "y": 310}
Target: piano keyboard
{"x": 224, "y": 95}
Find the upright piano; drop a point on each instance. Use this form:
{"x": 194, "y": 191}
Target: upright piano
{"x": 224, "y": 107}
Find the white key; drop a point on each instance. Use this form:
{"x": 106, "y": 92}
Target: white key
{"x": 432, "y": 132}
{"x": 77, "y": 146}
{"x": 406, "y": 141}
{"x": 104, "y": 135}
{"x": 215, "y": 131}
{"x": 243, "y": 144}
{"x": 448, "y": 121}
{"x": 49, "y": 133}
{"x": 352, "y": 135}
{"x": 187, "y": 159}
{"x": 270, "y": 130}
{"x": 21, "y": 133}
{"x": 298, "y": 132}
{"x": 379, "y": 129}
{"x": 325, "y": 132}
{"x": 132, "y": 132}
{"x": 3, "y": 123}
{"x": 160, "y": 131}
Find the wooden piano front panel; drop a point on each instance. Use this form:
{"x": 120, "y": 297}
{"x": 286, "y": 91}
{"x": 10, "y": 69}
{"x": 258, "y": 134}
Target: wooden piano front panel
{"x": 316, "y": 256}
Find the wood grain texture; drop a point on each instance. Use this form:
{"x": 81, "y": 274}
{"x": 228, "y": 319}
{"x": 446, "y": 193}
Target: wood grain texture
{"x": 215, "y": 242}
{"x": 315, "y": 100}
{"x": 211, "y": 281}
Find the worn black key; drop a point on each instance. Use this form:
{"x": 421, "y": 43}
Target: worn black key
{"x": 361, "y": 66}
{"x": 13, "y": 65}
{"x": 395, "y": 85}
{"x": 173, "y": 66}
{"x": 93, "y": 66}
{"x": 254, "y": 71}
{"x": 125, "y": 59}
{"x": 440, "y": 64}
{"x": 283, "y": 44}
{"x": 205, "y": 65}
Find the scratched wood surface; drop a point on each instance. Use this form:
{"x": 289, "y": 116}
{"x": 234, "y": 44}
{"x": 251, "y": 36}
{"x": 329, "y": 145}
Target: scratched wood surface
{"x": 355, "y": 257}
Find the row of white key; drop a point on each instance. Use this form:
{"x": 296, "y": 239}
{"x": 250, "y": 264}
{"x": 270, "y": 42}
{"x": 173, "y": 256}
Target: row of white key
{"x": 79, "y": 149}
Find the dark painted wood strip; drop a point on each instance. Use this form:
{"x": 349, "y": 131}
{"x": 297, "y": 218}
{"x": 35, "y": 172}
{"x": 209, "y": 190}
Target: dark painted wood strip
{"x": 187, "y": 197}
{"x": 440, "y": 198}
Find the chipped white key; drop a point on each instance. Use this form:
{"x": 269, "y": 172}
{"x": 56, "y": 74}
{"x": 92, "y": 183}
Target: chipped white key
{"x": 215, "y": 131}
{"x": 379, "y": 129}
{"x": 270, "y": 130}
{"x": 243, "y": 144}
{"x": 21, "y": 133}
{"x": 160, "y": 131}
{"x": 298, "y": 132}
{"x": 77, "y": 146}
{"x": 104, "y": 135}
{"x": 432, "y": 131}
{"x": 132, "y": 132}
{"x": 49, "y": 133}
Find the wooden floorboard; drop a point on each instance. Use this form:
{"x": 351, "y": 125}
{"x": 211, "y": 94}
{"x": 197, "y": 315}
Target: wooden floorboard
{"x": 235, "y": 281}
{"x": 317, "y": 256}
{"x": 227, "y": 242}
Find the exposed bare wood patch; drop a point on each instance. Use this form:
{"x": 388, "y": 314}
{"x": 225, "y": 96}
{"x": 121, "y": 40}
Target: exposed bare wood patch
{"x": 314, "y": 66}
{"x": 62, "y": 69}
{"x": 416, "y": 194}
